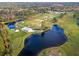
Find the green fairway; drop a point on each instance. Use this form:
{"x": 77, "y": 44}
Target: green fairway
{"x": 71, "y": 47}
{"x": 67, "y": 22}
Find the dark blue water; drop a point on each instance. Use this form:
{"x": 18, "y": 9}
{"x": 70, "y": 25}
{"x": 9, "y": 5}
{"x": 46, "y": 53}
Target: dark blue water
{"x": 11, "y": 25}
{"x": 36, "y": 42}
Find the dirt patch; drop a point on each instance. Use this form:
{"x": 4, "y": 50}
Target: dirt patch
{"x": 55, "y": 52}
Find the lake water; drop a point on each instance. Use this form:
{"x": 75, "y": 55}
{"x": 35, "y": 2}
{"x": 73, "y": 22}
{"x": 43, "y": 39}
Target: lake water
{"x": 36, "y": 42}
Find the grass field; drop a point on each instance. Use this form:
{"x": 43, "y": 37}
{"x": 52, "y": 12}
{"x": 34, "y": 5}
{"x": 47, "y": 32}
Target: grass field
{"x": 67, "y": 22}
{"x": 71, "y": 47}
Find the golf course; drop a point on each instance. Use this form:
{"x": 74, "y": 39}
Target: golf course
{"x": 67, "y": 22}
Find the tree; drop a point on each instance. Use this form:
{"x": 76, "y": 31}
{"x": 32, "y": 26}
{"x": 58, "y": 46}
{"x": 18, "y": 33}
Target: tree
{"x": 6, "y": 41}
{"x": 54, "y": 20}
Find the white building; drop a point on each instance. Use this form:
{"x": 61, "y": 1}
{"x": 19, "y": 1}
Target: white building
{"x": 59, "y": 12}
{"x": 16, "y": 30}
{"x": 27, "y": 29}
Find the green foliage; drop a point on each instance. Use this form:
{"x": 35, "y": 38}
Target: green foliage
{"x": 67, "y": 22}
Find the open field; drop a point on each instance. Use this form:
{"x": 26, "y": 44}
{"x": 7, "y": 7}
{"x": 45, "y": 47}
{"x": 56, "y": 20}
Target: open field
{"x": 67, "y": 22}
{"x": 71, "y": 47}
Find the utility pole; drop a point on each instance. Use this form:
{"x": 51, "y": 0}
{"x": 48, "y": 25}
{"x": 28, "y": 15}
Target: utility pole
{"x": 6, "y": 41}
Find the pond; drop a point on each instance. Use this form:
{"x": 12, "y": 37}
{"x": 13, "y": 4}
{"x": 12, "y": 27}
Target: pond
{"x": 54, "y": 37}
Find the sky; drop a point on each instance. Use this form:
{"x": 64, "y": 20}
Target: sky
{"x": 39, "y": 0}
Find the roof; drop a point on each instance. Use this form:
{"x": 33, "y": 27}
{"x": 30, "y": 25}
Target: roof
{"x": 27, "y": 29}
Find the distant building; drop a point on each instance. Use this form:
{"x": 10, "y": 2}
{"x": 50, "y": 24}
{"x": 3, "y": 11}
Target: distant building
{"x": 59, "y": 12}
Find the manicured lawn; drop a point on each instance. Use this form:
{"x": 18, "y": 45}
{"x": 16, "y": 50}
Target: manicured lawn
{"x": 71, "y": 47}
